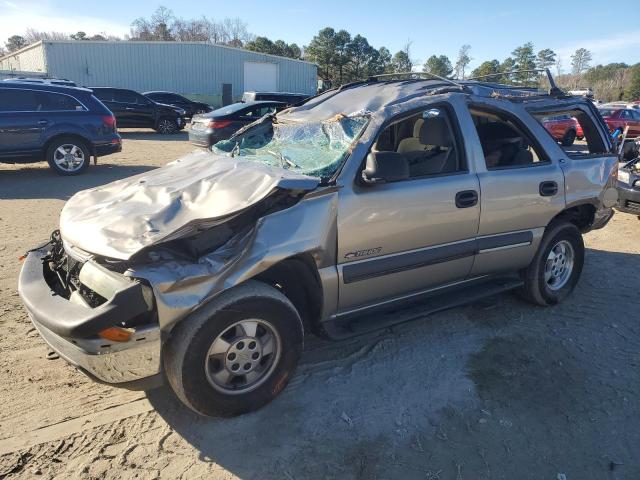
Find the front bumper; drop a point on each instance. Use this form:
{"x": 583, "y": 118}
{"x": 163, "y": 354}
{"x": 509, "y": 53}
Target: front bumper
{"x": 70, "y": 329}
{"x": 628, "y": 199}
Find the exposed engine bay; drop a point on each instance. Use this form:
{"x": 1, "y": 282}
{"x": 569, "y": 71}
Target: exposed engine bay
{"x": 62, "y": 274}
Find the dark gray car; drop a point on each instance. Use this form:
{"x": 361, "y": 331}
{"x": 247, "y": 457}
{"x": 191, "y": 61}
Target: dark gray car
{"x": 222, "y": 123}
{"x": 369, "y": 205}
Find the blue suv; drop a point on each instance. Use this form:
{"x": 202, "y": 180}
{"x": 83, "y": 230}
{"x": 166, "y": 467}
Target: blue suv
{"x": 65, "y": 126}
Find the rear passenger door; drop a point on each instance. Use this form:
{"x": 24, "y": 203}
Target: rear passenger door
{"x": 405, "y": 237}
{"x": 522, "y": 189}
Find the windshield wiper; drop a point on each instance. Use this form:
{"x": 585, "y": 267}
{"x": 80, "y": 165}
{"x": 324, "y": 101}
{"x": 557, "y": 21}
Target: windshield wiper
{"x": 284, "y": 161}
{"x": 236, "y": 150}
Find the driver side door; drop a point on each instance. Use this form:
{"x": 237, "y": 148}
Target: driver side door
{"x": 405, "y": 237}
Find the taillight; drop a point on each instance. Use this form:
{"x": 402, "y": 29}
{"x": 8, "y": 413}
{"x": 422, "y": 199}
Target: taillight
{"x": 109, "y": 121}
{"x": 215, "y": 124}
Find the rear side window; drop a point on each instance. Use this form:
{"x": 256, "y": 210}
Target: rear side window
{"x": 54, "y": 102}
{"x": 505, "y": 142}
{"x": 577, "y": 134}
{"x": 249, "y": 113}
{"x": 14, "y": 100}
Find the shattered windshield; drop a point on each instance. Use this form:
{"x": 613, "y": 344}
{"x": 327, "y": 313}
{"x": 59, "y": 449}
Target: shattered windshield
{"x": 313, "y": 148}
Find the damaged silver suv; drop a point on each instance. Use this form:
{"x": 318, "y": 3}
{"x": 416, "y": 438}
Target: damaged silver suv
{"x": 375, "y": 203}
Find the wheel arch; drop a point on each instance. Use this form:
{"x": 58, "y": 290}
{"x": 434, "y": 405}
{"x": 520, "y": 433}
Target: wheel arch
{"x": 298, "y": 279}
{"x": 581, "y": 215}
{"x": 78, "y": 136}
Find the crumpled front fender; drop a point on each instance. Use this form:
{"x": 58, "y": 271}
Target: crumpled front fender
{"x": 180, "y": 287}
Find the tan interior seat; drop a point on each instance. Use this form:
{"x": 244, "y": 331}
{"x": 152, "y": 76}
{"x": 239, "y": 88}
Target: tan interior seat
{"x": 412, "y": 144}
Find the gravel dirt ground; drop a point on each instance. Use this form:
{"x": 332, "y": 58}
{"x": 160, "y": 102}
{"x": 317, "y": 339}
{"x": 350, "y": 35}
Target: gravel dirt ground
{"x": 495, "y": 390}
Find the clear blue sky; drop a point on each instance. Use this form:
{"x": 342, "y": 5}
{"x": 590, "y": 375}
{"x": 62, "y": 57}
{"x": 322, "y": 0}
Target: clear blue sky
{"x": 492, "y": 29}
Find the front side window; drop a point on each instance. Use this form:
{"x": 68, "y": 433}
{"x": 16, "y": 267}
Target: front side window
{"x": 505, "y": 143}
{"x": 314, "y": 148}
{"x": 264, "y": 111}
{"x": 177, "y": 98}
{"x": 426, "y": 141}
{"x": 125, "y": 96}
{"x": 104, "y": 95}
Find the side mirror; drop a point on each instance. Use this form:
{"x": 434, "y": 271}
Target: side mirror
{"x": 383, "y": 167}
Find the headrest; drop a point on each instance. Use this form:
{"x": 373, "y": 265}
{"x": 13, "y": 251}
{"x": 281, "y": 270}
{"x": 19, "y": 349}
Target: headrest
{"x": 417, "y": 126}
{"x": 523, "y": 157}
{"x": 435, "y": 131}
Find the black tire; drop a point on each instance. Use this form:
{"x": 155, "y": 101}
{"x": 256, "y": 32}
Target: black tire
{"x": 569, "y": 138}
{"x": 536, "y": 289}
{"x": 187, "y": 350}
{"x": 167, "y": 126}
{"x": 72, "y": 146}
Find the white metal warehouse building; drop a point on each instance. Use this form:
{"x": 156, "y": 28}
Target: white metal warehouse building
{"x": 198, "y": 70}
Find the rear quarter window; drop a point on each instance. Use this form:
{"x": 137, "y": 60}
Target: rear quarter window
{"x": 579, "y": 135}
{"x": 49, "y": 101}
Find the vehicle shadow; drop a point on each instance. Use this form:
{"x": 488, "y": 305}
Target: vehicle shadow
{"x": 40, "y": 182}
{"x": 428, "y": 395}
{"x": 149, "y": 134}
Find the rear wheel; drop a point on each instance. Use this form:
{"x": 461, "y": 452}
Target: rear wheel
{"x": 68, "y": 156}
{"x": 569, "y": 138}
{"x": 167, "y": 126}
{"x": 236, "y": 353}
{"x": 556, "y": 267}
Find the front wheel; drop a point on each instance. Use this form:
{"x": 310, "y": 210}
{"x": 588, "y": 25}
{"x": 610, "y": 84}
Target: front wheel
{"x": 167, "y": 126}
{"x": 236, "y": 353}
{"x": 556, "y": 267}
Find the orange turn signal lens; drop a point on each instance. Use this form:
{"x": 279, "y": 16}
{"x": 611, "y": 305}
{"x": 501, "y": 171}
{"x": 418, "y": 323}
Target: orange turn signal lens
{"x": 117, "y": 334}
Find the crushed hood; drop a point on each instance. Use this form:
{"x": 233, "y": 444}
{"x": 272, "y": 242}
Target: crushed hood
{"x": 199, "y": 190}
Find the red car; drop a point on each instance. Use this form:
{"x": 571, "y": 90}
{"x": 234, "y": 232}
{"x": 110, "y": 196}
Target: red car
{"x": 620, "y": 118}
{"x": 563, "y": 128}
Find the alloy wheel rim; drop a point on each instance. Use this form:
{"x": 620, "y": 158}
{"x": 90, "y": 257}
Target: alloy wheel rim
{"x": 243, "y": 356}
{"x": 166, "y": 126}
{"x": 559, "y": 265}
{"x": 69, "y": 157}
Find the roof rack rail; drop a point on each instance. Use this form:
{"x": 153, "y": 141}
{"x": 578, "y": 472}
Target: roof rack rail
{"x": 554, "y": 90}
{"x": 415, "y": 76}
